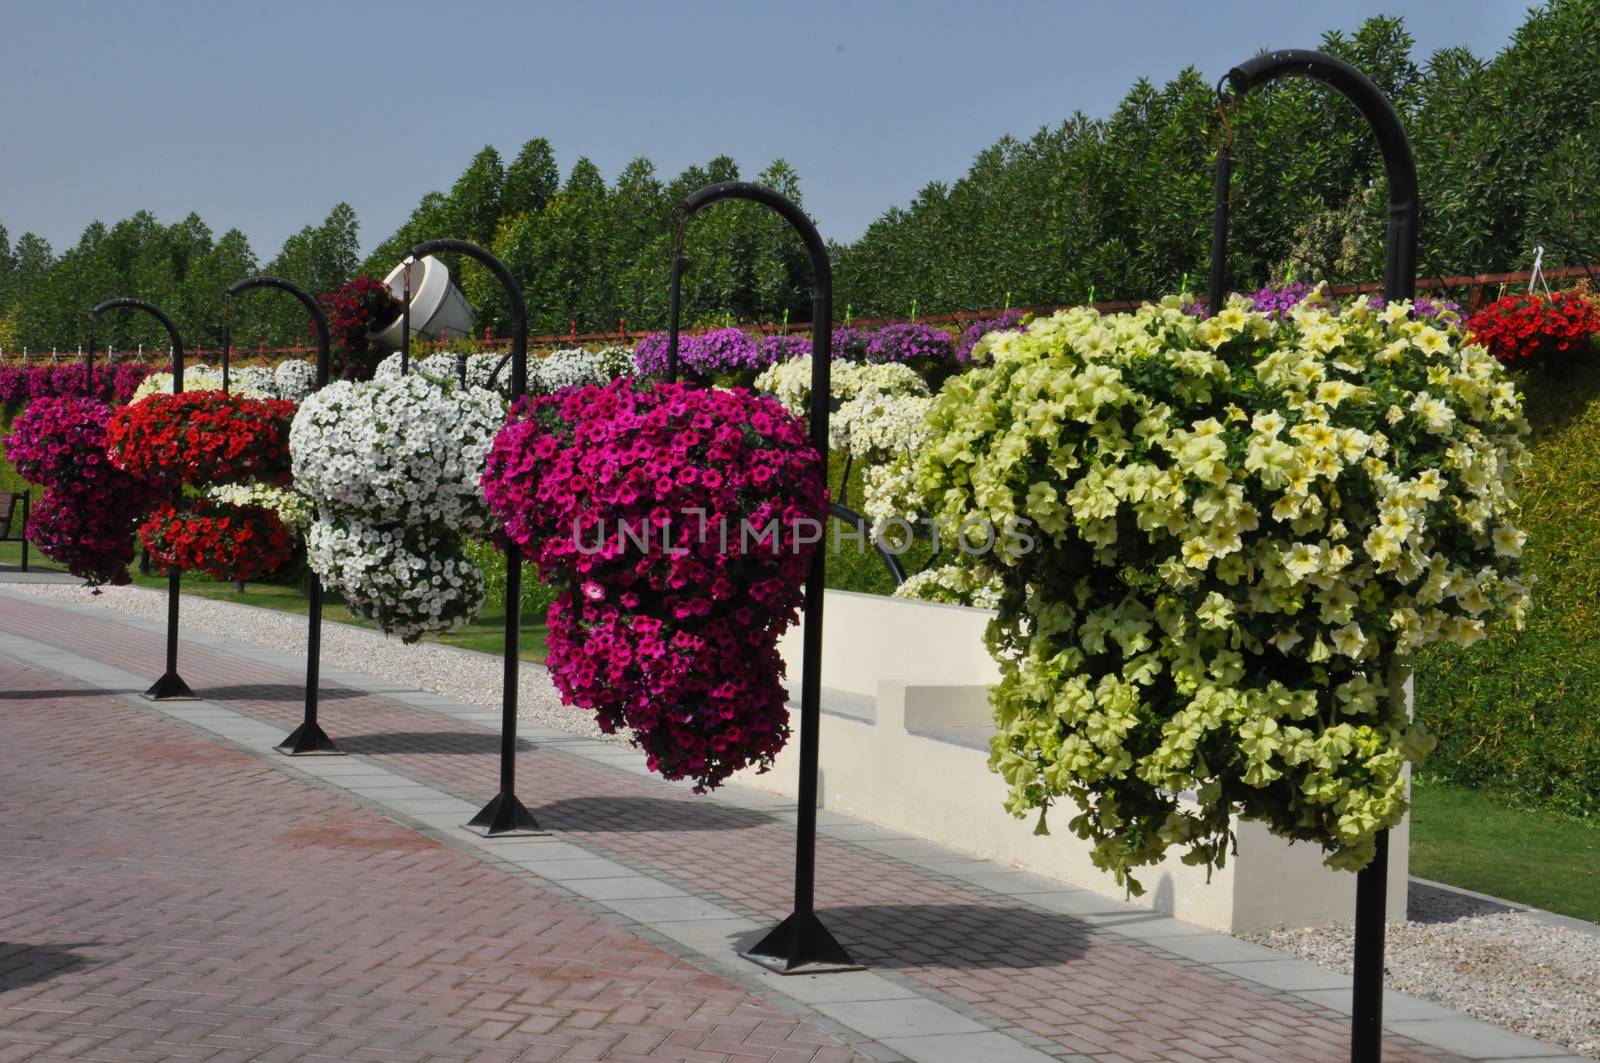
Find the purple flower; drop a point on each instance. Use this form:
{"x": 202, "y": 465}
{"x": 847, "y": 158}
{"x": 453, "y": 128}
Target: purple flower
{"x": 907, "y": 342}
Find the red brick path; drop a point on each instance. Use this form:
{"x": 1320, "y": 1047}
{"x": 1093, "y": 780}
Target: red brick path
{"x": 164, "y": 897}
{"x": 1089, "y": 992}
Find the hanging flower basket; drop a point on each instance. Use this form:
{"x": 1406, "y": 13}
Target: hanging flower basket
{"x": 1520, "y": 329}
{"x": 227, "y": 542}
{"x": 677, "y": 524}
{"x": 86, "y": 516}
{"x": 393, "y": 466}
{"x": 203, "y": 437}
{"x": 1225, "y": 529}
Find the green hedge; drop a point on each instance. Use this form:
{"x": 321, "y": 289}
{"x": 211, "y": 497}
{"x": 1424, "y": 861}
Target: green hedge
{"x": 1520, "y": 714}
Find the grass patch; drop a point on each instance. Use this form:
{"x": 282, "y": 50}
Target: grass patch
{"x": 1476, "y": 841}
{"x": 11, "y": 554}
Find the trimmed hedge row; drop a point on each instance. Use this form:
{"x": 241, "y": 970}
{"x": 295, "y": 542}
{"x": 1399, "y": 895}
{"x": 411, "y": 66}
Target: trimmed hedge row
{"x": 1520, "y": 713}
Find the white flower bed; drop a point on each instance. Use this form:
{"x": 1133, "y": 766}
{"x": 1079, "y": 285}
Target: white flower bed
{"x": 289, "y": 380}
{"x": 568, "y": 367}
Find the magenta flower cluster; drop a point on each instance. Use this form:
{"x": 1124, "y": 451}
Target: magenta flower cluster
{"x": 1008, "y": 321}
{"x": 677, "y": 524}
{"x": 89, "y": 510}
{"x": 114, "y": 384}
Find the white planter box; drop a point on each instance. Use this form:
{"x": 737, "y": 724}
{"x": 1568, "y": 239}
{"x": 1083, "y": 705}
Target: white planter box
{"x": 904, "y": 744}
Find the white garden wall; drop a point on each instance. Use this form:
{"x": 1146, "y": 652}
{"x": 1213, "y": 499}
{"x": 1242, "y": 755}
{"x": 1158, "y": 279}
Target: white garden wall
{"x": 904, "y": 739}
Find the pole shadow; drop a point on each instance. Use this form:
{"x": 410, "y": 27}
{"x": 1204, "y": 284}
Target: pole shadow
{"x": 626, "y": 815}
{"x": 23, "y": 965}
{"x": 447, "y": 743}
{"x": 273, "y": 692}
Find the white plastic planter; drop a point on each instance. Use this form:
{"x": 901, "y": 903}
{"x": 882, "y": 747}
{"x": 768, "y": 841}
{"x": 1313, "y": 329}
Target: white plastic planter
{"x": 438, "y": 309}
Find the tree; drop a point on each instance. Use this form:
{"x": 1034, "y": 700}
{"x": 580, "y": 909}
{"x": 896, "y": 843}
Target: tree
{"x": 474, "y": 209}
{"x": 530, "y": 181}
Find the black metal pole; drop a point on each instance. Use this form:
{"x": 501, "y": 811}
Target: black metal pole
{"x": 1399, "y": 282}
{"x": 308, "y": 739}
{"x": 800, "y": 944}
{"x": 88, "y": 367}
{"x": 170, "y": 687}
{"x": 675, "y": 300}
{"x": 405, "y": 318}
{"x": 504, "y": 816}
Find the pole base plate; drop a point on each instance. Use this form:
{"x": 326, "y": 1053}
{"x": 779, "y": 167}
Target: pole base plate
{"x": 170, "y": 687}
{"x": 309, "y": 740}
{"x": 801, "y": 945}
{"x": 505, "y": 817}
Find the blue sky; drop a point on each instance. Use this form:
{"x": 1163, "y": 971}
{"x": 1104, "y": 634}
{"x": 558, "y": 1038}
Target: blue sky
{"x": 261, "y": 116}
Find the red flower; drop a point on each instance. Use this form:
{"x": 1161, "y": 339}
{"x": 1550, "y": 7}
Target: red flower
{"x": 202, "y": 437}
{"x": 225, "y": 541}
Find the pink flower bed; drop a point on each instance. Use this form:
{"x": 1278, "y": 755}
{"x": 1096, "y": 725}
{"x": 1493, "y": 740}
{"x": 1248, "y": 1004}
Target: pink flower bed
{"x": 645, "y": 507}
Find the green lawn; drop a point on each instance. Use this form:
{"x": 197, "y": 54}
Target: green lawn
{"x": 11, "y": 554}
{"x": 1475, "y": 840}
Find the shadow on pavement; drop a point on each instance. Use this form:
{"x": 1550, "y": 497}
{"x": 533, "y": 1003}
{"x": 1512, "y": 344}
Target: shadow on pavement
{"x": 449, "y": 743}
{"x": 24, "y": 965}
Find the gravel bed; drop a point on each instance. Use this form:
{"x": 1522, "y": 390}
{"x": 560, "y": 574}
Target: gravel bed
{"x": 1486, "y": 960}
{"x": 471, "y": 677}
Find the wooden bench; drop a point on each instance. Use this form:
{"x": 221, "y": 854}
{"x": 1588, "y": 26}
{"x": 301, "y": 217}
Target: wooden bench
{"x": 14, "y": 521}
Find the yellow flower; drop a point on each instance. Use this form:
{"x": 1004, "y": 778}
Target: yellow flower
{"x": 1301, "y": 560}
{"x": 1431, "y": 341}
{"x": 1197, "y": 553}
{"x": 1508, "y": 541}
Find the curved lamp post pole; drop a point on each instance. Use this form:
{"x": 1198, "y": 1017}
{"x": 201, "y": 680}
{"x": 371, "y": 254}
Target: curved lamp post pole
{"x": 1399, "y": 282}
{"x": 800, "y": 944}
{"x": 308, "y": 739}
{"x": 505, "y": 815}
{"x": 170, "y": 687}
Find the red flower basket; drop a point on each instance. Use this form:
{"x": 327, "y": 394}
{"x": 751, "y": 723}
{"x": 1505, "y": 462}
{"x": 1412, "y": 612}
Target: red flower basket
{"x": 1520, "y": 328}
{"x": 202, "y": 437}
{"x": 231, "y": 543}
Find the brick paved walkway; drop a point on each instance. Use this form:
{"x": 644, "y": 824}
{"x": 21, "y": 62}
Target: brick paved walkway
{"x": 129, "y": 864}
{"x": 168, "y": 898}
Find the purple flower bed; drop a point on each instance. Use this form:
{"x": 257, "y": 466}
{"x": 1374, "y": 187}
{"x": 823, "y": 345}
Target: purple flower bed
{"x": 906, "y": 342}
{"x": 720, "y": 350}
{"x": 770, "y": 350}
{"x": 851, "y": 343}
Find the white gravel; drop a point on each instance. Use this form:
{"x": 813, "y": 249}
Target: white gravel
{"x": 1500, "y": 965}
{"x": 474, "y": 678}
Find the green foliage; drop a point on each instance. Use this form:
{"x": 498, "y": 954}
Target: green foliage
{"x": 536, "y": 596}
{"x": 1520, "y": 713}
